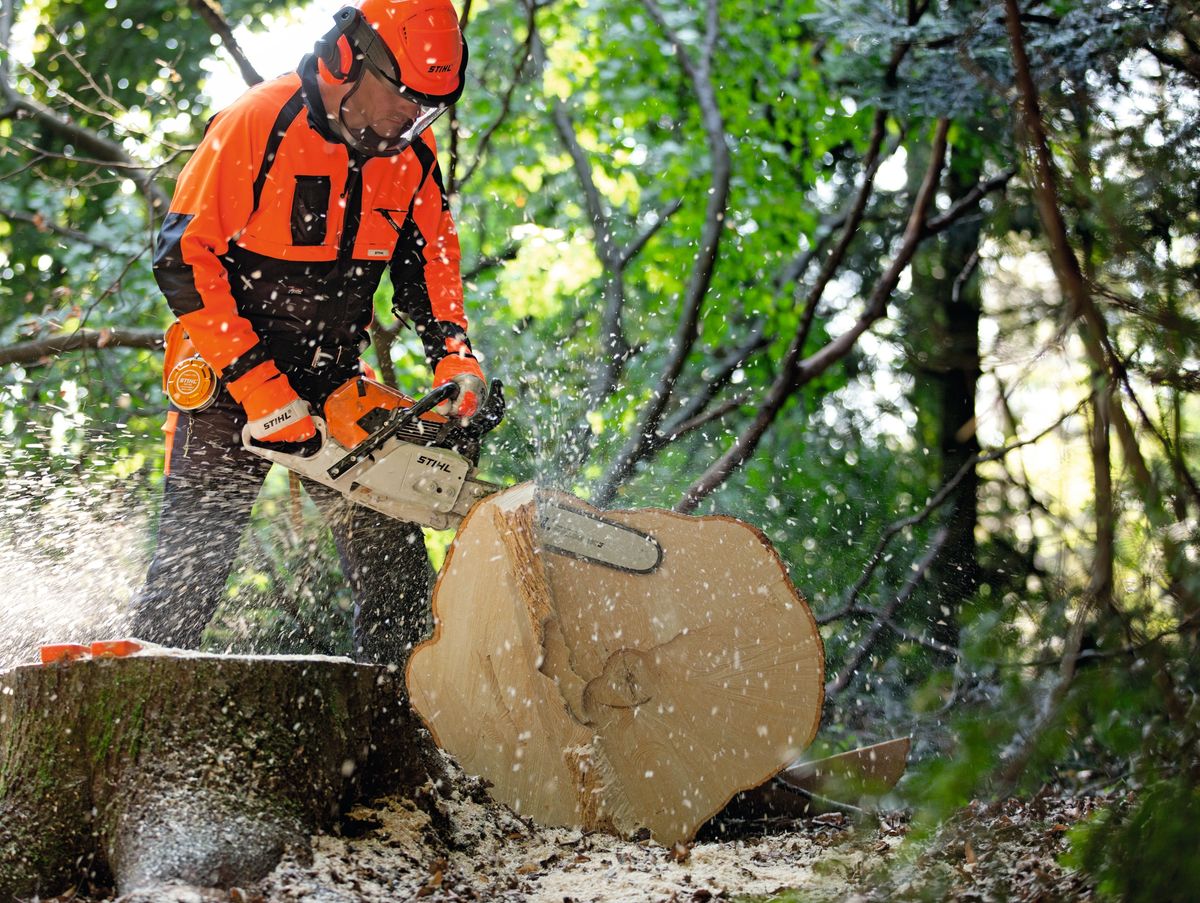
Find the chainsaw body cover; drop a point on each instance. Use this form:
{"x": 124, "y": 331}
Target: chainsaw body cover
{"x": 359, "y": 406}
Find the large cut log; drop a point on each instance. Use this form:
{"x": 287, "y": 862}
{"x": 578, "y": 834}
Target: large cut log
{"x": 192, "y": 768}
{"x": 599, "y": 698}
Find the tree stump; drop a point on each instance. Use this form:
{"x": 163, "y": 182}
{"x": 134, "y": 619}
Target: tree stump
{"x": 608, "y": 700}
{"x": 187, "y": 767}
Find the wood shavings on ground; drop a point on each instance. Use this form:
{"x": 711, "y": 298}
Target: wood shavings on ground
{"x": 454, "y": 843}
{"x": 460, "y": 845}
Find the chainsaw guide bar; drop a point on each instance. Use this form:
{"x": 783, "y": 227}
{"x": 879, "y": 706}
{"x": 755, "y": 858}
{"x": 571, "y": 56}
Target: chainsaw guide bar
{"x": 424, "y": 483}
{"x": 583, "y": 535}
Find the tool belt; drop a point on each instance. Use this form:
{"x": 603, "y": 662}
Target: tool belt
{"x": 188, "y": 380}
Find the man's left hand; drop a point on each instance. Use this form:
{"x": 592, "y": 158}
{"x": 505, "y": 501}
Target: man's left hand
{"x": 464, "y": 370}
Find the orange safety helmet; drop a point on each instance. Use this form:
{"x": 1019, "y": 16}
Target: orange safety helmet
{"x": 414, "y": 48}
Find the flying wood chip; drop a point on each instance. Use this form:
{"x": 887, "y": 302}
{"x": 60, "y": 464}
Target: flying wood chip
{"x": 608, "y": 700}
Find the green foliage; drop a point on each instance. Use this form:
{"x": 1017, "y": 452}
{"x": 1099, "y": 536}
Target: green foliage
{"x": 1145, "y": 848}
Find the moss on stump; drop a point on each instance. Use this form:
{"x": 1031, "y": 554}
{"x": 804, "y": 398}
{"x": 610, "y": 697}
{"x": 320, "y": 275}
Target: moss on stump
{"x": 192, "y": 768}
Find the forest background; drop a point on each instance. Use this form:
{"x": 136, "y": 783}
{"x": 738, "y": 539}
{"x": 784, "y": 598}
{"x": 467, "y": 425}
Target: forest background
{"x": 914, "y": 287}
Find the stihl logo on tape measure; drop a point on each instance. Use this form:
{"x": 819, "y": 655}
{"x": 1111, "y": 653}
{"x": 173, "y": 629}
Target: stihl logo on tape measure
{"x": 431, "y": 462}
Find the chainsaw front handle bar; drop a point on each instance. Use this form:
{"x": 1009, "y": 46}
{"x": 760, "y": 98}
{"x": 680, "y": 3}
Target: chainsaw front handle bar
{"x": 398, "y": 418}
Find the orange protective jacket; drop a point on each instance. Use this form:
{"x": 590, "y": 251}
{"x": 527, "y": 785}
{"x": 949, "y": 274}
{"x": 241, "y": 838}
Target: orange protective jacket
{"x": 278, "y": 236}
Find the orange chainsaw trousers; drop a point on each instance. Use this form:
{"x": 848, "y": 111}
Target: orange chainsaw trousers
{"x": 210, "y": 489}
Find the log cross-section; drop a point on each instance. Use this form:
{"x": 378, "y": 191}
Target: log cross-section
{"x": 613, "y": 700}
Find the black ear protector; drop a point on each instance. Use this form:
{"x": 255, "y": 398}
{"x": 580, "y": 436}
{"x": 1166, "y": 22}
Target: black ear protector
{"x": 345, "y": 20}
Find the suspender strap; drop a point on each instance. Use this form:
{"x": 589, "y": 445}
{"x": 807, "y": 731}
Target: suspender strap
{"x": 287, "y": 115}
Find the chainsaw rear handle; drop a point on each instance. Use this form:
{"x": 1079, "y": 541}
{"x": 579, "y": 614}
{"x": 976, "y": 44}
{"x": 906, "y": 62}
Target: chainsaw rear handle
{"x": 278, "y": 451}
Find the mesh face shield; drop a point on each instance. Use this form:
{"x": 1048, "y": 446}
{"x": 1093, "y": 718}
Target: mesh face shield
{"x": 378, "y": 119}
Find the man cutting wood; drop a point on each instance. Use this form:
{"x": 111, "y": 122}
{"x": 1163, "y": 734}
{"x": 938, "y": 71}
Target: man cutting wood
{"x": 298, "y": 198}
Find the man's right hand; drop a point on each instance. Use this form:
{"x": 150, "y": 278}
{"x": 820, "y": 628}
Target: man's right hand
{"x": 277, "y": 414}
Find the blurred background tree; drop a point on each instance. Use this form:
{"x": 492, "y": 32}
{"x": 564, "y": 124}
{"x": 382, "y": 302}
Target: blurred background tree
{"x": 912, "y": 286}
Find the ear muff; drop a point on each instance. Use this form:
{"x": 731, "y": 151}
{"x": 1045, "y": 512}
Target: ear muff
{"x": 334, "y": 50}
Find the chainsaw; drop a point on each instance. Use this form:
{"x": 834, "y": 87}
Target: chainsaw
{"x": 396, "y": 455}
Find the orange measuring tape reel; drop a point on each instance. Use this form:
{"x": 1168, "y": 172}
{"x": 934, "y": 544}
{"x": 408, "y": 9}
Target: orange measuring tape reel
{"x": 188, "y": 380}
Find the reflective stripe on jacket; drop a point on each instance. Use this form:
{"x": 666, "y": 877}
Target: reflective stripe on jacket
{"x": 278, "y": 235}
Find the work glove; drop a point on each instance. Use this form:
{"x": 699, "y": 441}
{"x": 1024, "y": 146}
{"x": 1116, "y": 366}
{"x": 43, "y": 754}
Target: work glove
{"x": 277, "y": 414}
{"x": 463, "y": 369}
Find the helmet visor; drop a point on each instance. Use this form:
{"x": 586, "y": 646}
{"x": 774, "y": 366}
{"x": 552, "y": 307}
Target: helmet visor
{"x": 378, "y": 119}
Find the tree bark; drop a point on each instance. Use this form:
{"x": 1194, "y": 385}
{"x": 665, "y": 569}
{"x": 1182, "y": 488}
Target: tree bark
{"x": 943, "y": 340}
{"x": 191, "y": 768}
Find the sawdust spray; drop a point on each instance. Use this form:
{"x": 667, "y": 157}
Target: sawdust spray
{"x": 72, "y": 552}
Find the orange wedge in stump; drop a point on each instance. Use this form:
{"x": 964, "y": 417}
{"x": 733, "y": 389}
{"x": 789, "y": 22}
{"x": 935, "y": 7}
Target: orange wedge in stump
{"x": 63, "y": 652}
{"x": 115, "y": 648}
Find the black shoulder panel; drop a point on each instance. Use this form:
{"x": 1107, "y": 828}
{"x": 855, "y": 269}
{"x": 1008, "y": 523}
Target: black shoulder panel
{"x": 287, "y": 115}
{"x": 172, "y": 274}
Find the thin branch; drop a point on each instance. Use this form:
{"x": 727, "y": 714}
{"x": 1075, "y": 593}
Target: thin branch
{"x": 876, "y": 633}
{"x": 210, "y": 11}
{"x": 916, "y": 639}
{"x": 833, "y": 262}
{"x": 1082, "y": 307}
{"x": 935, "y": 501}
{"x": 634, "y": 248}
{"x": 1182, "y": 474}
{"x": 964, "y": 276}
{"x": 872, "y": 160}
{"x": 795, "y": 372}
{"x": 39, "y": 350}
{"x": 483, "y": 264}
{"x": 691, "y": 412}
{"x": 601, "y": 228}
{"x": 116, "y": 166}
{"x": 104, "y": 151}
{"x": 71, "y": 100}
{"x": 1183, "y": 380}
{"x": 1027, "y": 741}
{"x": 526, "y": 54}
{"x": 699, "y": 72}
{"x": 1188, "y": 64}
{"x": 798, "y": 265}
{"x": 677, "y": 429}
{"x": 42, "y": 224}
{"x": 614, "y": 347}
{"x": 955, "y": 211}
{"x": 113, "y": 287}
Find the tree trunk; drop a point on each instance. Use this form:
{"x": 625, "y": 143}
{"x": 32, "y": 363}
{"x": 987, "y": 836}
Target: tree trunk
{"x": 192, "y": 768}
{"x": 943, "y": 326}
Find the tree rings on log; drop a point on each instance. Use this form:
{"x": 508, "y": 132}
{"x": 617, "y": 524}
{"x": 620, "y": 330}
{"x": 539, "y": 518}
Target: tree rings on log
{"x": 607, "y": 700}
